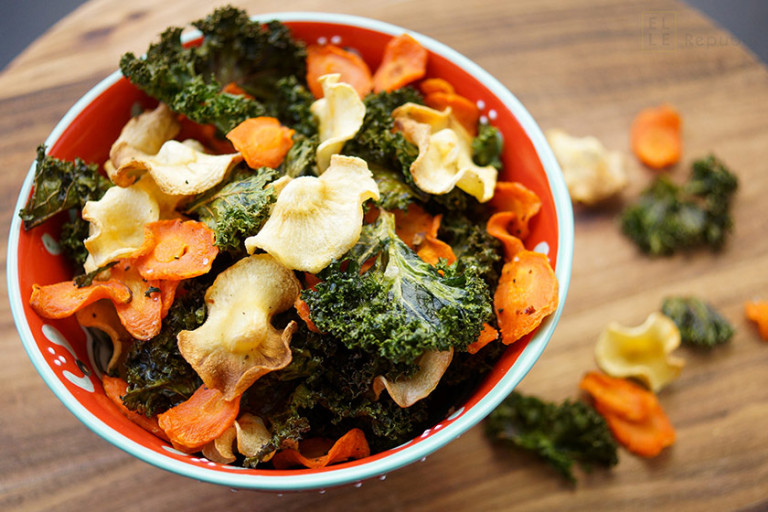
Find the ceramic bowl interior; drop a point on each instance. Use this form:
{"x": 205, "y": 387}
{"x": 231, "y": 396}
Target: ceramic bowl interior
{"x": 67, "y": 358}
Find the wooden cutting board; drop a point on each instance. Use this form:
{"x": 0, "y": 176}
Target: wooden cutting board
{"x": 586, "y": 66}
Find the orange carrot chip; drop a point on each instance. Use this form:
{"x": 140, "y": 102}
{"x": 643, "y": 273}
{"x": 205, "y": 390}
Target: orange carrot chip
{"x": 142, "y": 315}
{"x": 656, "y": 138}
{"x": 511, "y": 196}
{"x": 487, "y": 335}
{"x": 115, "y": 388}
{"x": 262, "y": 141}
{"x": 526, "y": 294}
{"x": 351, "y": 445}
{"x": 205, "y": 416}
{"x": 758, "y": 312}
{"x": 633, "y": 413}
{"x": 329, "y": 59}
{"x": 102, "y": 315}
{"x": 63, "y": 299}
{"x": 404, "y": 61}
{"x": 182, "y": 250}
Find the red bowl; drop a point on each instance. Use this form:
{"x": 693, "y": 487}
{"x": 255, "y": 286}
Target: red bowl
{"x": 63, "y": 352}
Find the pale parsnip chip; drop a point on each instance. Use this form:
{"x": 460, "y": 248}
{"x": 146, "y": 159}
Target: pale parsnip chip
{"x": 237, "y": 343}
{"x": 317, "y": 219}
{"x": 220, "y": 449}
{"x": 406, "y": 392}
{"x": 252, "y": 435}
{"x": 591, "y": 172}
{"x": 117, "y": 222}
{"x": 141, "y": 137}
{"x": 445, "y": 153}
{"x": 167, "y": 203}
{"x": 643, "y": 352}
{"x": 182, "y": 169}
{"x": 340, "y": 114}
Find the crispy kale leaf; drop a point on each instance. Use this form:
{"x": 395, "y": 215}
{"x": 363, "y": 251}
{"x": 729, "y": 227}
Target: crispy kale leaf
{"x": 402, "y": 306}
{"x": 473, "y": 246}
{"x": 301, "y": 159}
{"x": 252, "y": 55}
{"x": 572, "y": 432}
{"x": 382, "y": 148}
{"x": 73, "y": 232}
{"x": 158, "y": 376}
{"x": 699, "y": 323}
{"x": 238, "y": 208}
{"x": 487, "y": 146}
{"x": 234, "y": 49}
{"x": 327, "y": 387}
{"x": 291, "y": 105}
{"x": 669, "y": 217}
{"x": 394, "y": 192}
{"x": 60, "y": 186}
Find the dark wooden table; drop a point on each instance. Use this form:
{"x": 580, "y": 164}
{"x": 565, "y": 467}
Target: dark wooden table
{"x": 586, "y": 66}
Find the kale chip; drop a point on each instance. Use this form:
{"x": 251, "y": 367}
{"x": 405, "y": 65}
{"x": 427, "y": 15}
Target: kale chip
{"x": 572, "y": 432}
{"x": 237, "y": 208}
{"x": 487, "y": 146}
{"x": 669, "y": 218}
{"x": 60, "y": 186}
{"x": 158, "y": 376}
{"x": 234, "y": 50}
{"x": 699, "y": 323}
{"x": 402, "y": 306}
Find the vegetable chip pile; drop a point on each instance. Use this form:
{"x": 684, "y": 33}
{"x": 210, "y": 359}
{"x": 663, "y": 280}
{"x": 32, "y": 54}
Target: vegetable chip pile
{"x": 298, "y": 260}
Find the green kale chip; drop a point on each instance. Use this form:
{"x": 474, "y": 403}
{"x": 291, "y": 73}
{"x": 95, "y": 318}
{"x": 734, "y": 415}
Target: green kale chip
{"x": 487, "y": 146}
{"x": 86, "y": 279}
{"x": 394, "y": 192}
{"x": 699, "y": 323}
{"x": 73, "y": 232}
{"x": 291, "y": 105}
{"x": 328, "y": 386}
{"x": 473, "y": 246}
{"x": 301, "y": 159}
{"x": 158, "y": 376}
{"x": 236, "y": 209}
{"x": 669, "y": 217}
{"x": 382, "y": 148}
{"x": 572, "y": 432}
{"x": 402, "y": 306}
{"x": 60, "y": 186}
{"x": 234, "y": 49}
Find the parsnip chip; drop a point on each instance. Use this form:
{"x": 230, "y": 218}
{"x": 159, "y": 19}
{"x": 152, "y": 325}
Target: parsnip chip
{"x": 252, "y": 435}
{"x": 340, "y": 114}
{"x": 220, "y": 449}
{"x": 102, "y": 315}
{"x": 445, "y": 153}
{"x": 182, "y": 169}
{"x": 237, "y": 344}
{"x": 406, "y": 392}
{"x": 117, "y": 223}
{"x": 317, "y": 219}
{"x": 141, "y": 137}
{"x": 591, "y": 172}
{"x": 166, "y": 202}
{"x": 643, "y": 352}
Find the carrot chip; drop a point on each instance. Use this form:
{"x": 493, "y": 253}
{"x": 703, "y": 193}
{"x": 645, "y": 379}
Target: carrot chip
{"x": 351, "y": 445}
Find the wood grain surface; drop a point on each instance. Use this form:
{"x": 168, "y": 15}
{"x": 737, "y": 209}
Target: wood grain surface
{"x": 586, "y": 66}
